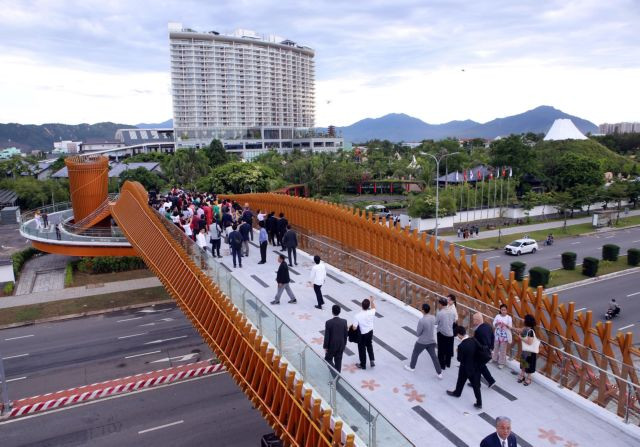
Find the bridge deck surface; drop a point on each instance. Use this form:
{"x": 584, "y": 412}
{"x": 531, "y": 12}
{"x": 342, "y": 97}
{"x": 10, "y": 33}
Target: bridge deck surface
{"x": 416, "y": 402}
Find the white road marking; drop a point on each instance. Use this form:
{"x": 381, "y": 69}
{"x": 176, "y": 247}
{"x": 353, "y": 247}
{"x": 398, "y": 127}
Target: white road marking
{"x": 159, "y": 427}
{"x": 180, "y": 358}
{"x": 633, "y": 294}
{"x": 492, "y": 257}
{"x": 635, "y": 242}
{"x": 166, "y": 339}
{"x": 17, "y": 378}
{"x": 580, "y": 310}
{"x": 154, "y": 323}
{"x": 132, "y": 335}
{"x": 128, "y": 319}
{"x": 16, "y": 338}
{"x": 147, "y": 324}
{"x": 576, "y": 243}
{"x": 140, "y": 355}
{"x": 625, "y": 327}
{"x": 14, "y": 356}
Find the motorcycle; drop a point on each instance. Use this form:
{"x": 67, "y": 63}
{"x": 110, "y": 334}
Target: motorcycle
{"x": 548, "y": 242}
{"x": 612, "y": 313}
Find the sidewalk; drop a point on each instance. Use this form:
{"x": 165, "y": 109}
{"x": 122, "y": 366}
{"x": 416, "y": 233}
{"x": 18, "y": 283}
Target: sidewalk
{"x": 42, "y": 274}
{"x": 534, "y": 227}
{"x": 416, "y": 402}
{"x": 79, "y": 292}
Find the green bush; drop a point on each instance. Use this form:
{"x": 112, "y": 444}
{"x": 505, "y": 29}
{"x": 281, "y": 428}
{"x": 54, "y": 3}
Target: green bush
{"x": 68, "y": 275}
{"x": 610, "y": 252}
{"x": 109, "y": 264}
{"x": 590, "y": 266}
{"x": 518, "y": 268}
{"x": 20, "y": 257}
{"x": 538, "y": 276}
{"x": 8, "y": 288}
{"x": 633, "y": 256}
{"x": 569, "y": 260}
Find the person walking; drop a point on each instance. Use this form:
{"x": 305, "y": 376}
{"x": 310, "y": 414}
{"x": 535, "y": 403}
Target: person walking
{"x": 270, "y": 225}
{"x": 467, "y": 353}
{"x": 290, "y": 242}
{"x": 335, "y": 338}
{"x": 283, "y": 280}
{"x": 235, "y": 243}
{"x": 281, "y": 228}
{"x": 364, "y": 322}
{"x": 247, "y": 216}
{"x": 317, "y": 277}
{"x": 45, "y": 219}
{"x": 502, "y": 325}
{"x": 263, "y": 240}
{"x": 245, "y": 230}
{"x": 444, "y": 322}
{"x": 426, "y": 341}
{"x": 483, "y": 333}
{"x": 201, "y": 239}
{"x": 215, "y": 237}
{"x": 502, "y": 436}
{"x": 530, "y": 348}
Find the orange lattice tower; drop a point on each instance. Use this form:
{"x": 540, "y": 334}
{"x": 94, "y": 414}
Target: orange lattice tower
{"x": 88, "y": 183}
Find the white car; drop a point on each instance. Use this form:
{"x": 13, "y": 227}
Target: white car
{"x": 521, "y": 246}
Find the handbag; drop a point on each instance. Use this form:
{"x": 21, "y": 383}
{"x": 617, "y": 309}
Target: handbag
{"x": 353, "y": 335}
{"x": 533, "y": 347}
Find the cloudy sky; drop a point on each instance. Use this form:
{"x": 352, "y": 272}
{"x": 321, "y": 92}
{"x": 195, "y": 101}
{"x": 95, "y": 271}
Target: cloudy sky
{"x": 438, "y": 60}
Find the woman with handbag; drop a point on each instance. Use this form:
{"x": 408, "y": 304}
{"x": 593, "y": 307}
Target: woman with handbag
{"x": 502, "y": 324}
{"x": 530, "y": 349}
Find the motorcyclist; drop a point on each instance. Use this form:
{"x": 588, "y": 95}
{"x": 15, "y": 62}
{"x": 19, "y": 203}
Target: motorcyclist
{"x": 550, "y": 239}
{"x": 614, "y": 309}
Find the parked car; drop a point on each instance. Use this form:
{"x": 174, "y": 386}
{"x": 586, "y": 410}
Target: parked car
{"x": 379, "y": 210}
{"x": 521, "y": 246}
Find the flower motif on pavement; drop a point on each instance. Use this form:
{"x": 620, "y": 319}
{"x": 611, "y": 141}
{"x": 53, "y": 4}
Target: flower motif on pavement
{"x": 396, "y": 390}
{"x": 371, "y": 385}
{"x": 304, "y": 317}
{"x": 414, "y": 396}
{"x": 408, "y": 386}
{"x": 571, "y": 444}
{"x": 352, "y": 368}
{"x": 317, "y": 340}
{"x": 550, "y": 435}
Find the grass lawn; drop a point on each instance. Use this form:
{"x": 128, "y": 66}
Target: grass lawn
{"x": 561, "y": 277}
{"x": 83, "y": 279}
{"x": 32, "y": 312}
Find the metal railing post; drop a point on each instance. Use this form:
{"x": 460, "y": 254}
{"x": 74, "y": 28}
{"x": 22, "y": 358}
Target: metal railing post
{"x": 259, "y": 311}
{"x": 626, "y": 410}
{"x": 372, "y": 429}
{"x": 303, "y": 363}
{"x": 279, "y": 337}
{"x": 333, "y": 398}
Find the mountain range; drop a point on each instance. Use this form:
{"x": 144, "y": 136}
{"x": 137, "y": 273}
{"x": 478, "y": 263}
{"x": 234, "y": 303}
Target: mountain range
{"x": 395, "y": 127}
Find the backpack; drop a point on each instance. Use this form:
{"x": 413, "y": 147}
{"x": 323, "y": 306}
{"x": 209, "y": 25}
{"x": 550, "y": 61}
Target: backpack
{"x": 483, "y": 353}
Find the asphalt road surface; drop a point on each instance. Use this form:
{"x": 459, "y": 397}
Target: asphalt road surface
{"x": 549, "y": 257}
{"x": 208, "y": 411}
{"x": 596, "y": 296}
{"x": 49, "y": 357}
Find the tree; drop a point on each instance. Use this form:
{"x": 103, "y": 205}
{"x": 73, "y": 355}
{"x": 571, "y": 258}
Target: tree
{"x": 216, "y": 153}
{"x": 618, "y": 192}
{"x": 150, "y": 180}
{"x": 513, "y": 152}
{"x": 573, "y": 169}
{"x": 238, "y": 178}
{"x": 563, "y": 203}
{"x": 185, "y": 167}
{"x": 58, "y": 164}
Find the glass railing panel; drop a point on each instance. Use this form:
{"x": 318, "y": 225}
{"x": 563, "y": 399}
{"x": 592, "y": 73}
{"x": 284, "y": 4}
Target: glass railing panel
{"x": 383, "y": 433}
{"x": 354, "y": 409}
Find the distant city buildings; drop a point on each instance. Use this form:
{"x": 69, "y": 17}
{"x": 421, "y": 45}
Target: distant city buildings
{"x": 607, "y": 128}
{"x": 252, "y": 92}
{"x": 9, "y": 152}
{"x": 66, "y": 147}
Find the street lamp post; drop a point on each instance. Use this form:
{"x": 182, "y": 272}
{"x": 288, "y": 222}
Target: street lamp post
{"x": 438, "y": 160}
{"x": 6, "y": 403}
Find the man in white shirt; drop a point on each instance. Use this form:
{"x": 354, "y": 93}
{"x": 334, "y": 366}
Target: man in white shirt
{"x": 317, "y": 277}
{"x": 364, "y": 321}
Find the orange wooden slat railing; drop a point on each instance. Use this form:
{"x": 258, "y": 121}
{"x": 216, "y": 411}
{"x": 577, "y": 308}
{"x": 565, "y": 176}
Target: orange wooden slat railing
{"x": 361, "y": 232}
{"x": 262, "y": 375}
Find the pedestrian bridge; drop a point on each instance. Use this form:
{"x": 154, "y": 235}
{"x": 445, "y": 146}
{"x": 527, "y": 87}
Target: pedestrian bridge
{"x": 585, "y": 374}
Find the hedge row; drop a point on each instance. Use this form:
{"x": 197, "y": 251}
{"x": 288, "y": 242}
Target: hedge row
{"x": 110, "y": 264}
{"x": 20, "y": 257}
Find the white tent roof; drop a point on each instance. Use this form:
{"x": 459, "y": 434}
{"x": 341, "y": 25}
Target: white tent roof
{"x": 564, "y": 129}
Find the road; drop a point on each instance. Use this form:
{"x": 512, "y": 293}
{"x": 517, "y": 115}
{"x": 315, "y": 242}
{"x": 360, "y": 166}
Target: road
{"x": 49, "y": 357}
{"x": 549, "y": 257}
{"x": 209, "y": 411}
{"x": 595, "y": 296}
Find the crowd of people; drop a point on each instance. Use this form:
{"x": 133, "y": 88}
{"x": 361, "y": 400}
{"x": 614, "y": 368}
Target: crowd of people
{"x": 209, "y": 222}
{"x": 467, "y": 232}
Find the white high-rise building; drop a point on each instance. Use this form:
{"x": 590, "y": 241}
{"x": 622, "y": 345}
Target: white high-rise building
{"x": 251, "y": 92}
{"x": 607, "y": 128}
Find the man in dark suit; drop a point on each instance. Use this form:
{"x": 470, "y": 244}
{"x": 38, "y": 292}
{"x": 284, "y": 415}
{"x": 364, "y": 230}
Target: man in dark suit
{"x": 290, "y": 242}
{"x": 283, "y": 280}
{"x": 270, "y": 225}
{"x": 335, "y": 338}
{"x": 503, "y": 436}
{"x": 467, "y": 354}
{"x": 485, "y": 336}
{"x": 281, "y": 228}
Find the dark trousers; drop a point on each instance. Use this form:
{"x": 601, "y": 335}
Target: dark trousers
{"x": 484, "y": 371}
{"x": 215, "y": 247}
{"x": 445, "y": 350}
{"x": 431, "y": 349}
{"x": 263, "y": 251}
{"x": 365, "y": 346}
{"x": 335, "y": 359}
{"x": 281, "y": 240}
{"x": 236, "y": 253}
{"x": 295, "y": 255}
{"x": 474, "y": 380}
{"x": 271, "y": 236}
{"x": 316, "y": 288}
{"x": 251, "y": 233}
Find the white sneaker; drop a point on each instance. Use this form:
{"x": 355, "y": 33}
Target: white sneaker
{"x": 440, "y": 376}
{"x": 408, "y": 368}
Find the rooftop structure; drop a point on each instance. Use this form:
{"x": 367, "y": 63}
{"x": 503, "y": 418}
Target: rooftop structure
{"x": 564, "y": 129}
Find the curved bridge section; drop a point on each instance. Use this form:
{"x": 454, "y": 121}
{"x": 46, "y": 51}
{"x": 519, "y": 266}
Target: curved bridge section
{"x": 263, "y": 376}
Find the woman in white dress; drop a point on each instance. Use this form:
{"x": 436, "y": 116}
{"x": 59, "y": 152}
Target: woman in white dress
{"x": 502, "y": 325}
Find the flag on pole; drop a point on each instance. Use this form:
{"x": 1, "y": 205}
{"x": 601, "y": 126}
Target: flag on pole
{"x": 510, "y": 172}
{"x": 464, "y": 173}
{"x": 470, "y": 174}
{"x": 456, "y": 176}
{"x": 479, "y": 175}
{"x": 490, "y": 175}
{"x": 504, "y": 172}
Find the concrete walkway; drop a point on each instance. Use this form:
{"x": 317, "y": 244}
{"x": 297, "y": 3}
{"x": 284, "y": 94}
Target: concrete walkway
{"x": 416, "y": 402}
{"x": 42, "y": 274}
{"x": 535, "y": 227}
{"x": 79, "y": 292}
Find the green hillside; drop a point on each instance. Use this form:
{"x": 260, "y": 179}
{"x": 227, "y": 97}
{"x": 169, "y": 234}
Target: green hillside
{"x": 606, "y": 158}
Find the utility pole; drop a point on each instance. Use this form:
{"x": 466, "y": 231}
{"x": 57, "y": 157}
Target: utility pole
{"x": 6, "y": 404}
{"x": 438, "y": 160}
